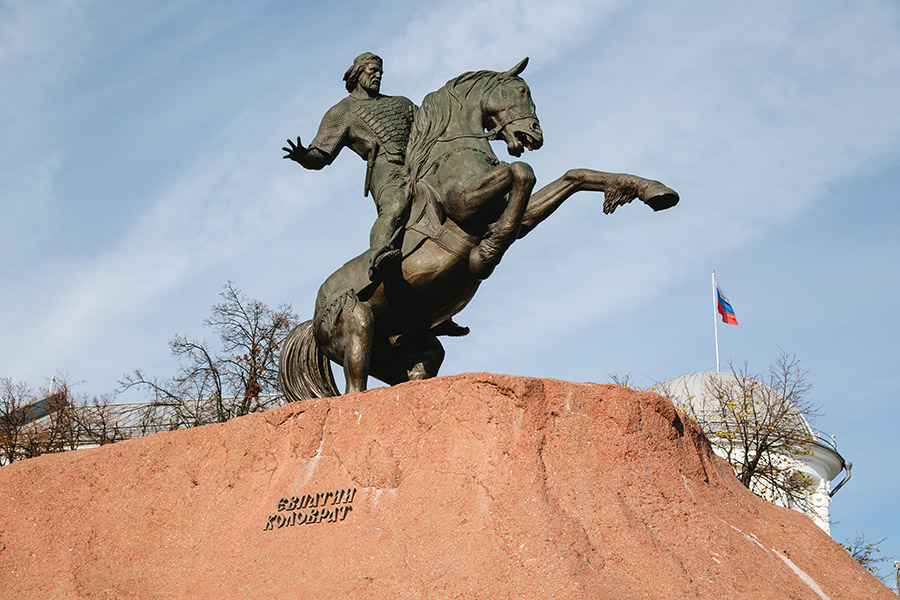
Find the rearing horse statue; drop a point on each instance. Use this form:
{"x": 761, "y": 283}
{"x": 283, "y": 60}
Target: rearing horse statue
{"x": 467, "y": 208}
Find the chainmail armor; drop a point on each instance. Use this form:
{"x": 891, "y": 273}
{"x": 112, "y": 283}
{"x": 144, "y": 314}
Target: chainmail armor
{"x": 389, "y": 118}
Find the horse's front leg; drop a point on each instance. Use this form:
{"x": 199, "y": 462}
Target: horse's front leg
{"x": 618, "y": 189}
{"x": 517, "y": 180}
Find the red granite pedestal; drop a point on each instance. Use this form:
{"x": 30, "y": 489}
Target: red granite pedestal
{"x": 472, "y": 486}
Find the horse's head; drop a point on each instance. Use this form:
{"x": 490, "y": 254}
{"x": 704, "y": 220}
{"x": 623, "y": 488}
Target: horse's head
{"x": 509, "y": 111}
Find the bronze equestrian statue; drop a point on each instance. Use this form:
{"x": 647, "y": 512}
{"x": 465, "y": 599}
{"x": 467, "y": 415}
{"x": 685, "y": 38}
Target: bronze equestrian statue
{"x": 465, "y": 209}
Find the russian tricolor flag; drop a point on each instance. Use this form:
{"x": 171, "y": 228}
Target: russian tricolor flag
{"x": 725, "y": 308}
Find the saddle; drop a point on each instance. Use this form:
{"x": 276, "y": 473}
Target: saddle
{"x": 429, "y": 221}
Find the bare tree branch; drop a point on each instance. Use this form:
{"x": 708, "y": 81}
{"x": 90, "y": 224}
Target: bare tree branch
{"x": 214, "y": 386}
{"x": 868, "y": 554}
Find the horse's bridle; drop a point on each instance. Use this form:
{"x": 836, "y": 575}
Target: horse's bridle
{"x": 493, "y": 133}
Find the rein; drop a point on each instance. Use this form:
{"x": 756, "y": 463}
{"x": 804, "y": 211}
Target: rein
{"x": 492, "y": 134}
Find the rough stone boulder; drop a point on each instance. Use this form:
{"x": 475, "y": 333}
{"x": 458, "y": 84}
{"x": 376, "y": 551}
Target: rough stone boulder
{"x": 472, "y": 486}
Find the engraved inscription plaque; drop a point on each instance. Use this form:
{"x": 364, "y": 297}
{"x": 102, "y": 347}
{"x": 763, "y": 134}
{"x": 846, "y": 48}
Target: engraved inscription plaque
{"x": 311, "y": 509}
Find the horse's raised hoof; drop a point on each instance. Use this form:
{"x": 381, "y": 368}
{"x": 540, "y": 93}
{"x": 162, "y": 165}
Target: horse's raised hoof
{"x": 659, "y": 197}
{"x": 450, "y": 328}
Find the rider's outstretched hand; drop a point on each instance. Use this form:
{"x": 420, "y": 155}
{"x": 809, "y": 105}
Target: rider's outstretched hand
{"x": 296, "y": 151}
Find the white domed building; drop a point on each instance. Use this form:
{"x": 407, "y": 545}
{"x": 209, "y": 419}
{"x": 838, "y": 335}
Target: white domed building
{"x": 740, "y": 415}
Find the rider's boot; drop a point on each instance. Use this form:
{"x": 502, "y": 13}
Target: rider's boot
{"x": 385, "y": 264}
{"x": 385, "y": 250}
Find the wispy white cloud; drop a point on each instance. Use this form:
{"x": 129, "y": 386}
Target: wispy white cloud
{"x": 28, "y": 201}
{"x": 224, "y": 210}
{"x": 216, "y": 211}
{"x": 449, "y": 38}
{"x": 749, "y": 114}
{"x": 40, "y": 44}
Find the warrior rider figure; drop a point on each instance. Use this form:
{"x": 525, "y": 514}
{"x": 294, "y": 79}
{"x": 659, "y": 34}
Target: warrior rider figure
{"x": 376, "y": 127}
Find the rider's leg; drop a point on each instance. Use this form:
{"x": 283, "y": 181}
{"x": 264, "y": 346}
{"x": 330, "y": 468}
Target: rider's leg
{"x": 386, "y": 234}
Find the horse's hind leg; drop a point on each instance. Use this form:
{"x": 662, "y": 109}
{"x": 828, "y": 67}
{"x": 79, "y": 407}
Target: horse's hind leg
{"x": 360, "y": 326}
{"x": 350, "y": 342}
{"x": 410, "y": 357}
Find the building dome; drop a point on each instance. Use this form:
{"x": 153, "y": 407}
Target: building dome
{"x": 701, "y": 395}
{"x": 694, "y": 393}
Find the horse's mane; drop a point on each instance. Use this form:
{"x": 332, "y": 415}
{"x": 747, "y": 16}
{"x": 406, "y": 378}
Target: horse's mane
{"x": 433, "y": 117}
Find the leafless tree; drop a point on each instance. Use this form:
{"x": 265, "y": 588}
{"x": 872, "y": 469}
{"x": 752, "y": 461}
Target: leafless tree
{"x": 58, "y": 430}
{"x": 53, "y": 420}
{"x": 34, "y": 424}
{"x": 13, "y": 417}
{"x": 97, "y": 421}
{"x": 214, "y": 386}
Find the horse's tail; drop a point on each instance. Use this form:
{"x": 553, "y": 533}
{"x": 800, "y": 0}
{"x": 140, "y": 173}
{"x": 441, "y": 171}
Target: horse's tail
{"x": 304, "y": 372}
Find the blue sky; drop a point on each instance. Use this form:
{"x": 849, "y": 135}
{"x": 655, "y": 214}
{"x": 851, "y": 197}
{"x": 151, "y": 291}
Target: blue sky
{"x": 141, "y": 168}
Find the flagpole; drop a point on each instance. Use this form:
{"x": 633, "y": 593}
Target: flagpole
{"x": 715, "y": 321}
